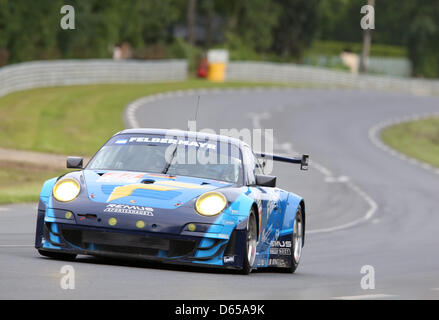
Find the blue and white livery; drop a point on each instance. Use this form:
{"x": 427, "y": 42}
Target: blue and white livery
{"x": 177, "y": 197}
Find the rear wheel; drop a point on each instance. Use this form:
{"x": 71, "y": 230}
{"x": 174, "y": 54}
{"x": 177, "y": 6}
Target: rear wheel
{"x": 297, "y": 241}
{"x": 250, "y": 245}
{"x": 57, "y": 255}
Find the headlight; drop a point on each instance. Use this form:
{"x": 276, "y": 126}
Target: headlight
{"x": 210, "y": 203}
{"x": 66, "y": 190}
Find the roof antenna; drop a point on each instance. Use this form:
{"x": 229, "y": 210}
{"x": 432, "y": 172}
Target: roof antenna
{"x": 196, "y": 117}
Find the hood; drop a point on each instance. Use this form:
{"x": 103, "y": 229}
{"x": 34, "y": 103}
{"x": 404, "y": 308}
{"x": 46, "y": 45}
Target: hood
{"x": 146, "y": 189}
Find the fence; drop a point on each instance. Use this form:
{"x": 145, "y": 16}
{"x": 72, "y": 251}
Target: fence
{"x": 283, "y": 72}
{"x": 29, "y": 75}
{"x": 386, "y": 66}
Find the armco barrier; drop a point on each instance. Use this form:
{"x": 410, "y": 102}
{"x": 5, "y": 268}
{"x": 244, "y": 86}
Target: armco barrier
{"x": 35, "y": 74}
{"x": 285, "y": 72}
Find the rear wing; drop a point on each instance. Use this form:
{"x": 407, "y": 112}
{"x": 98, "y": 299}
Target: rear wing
{"x": 303, "y": 161}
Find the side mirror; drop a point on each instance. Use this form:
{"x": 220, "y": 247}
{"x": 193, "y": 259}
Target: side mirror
{"x": 265, "y": 181}
{"x": 74, "y": 162}
{"x": 304, "y": 162}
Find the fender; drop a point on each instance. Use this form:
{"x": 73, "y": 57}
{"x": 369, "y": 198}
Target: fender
{"x": 293, "y": 203}
{"x": 46, "y": 191}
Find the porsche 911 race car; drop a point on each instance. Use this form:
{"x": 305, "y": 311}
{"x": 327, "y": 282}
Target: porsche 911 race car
{"x": 173, "y": 196}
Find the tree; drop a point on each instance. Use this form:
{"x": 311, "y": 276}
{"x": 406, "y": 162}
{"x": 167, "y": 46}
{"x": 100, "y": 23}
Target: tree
{"x": 296, "y": 28}
{"x": 252, "y": 22}
{"x": 423, "y": 39}
{"x": 26, "y": 29}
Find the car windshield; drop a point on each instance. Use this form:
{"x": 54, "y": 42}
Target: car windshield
{"x": 171, "y": 155}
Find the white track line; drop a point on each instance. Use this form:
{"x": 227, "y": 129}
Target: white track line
{"x": 366, "y": 296}
{"x": 367, "y": 216}
{"x": 15, "y": 245}
{"x": 287, "y": 148}
{"x": 131, "y": 108}
{"x": 374, "y": 137}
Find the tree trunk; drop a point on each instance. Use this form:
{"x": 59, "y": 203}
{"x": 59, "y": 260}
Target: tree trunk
{"x": 191, "y": 21}
{"x": 209, "y": 22}
{"x": 367, "y": 39}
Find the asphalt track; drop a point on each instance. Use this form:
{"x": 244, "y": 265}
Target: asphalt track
{"x": 364, "y": 206}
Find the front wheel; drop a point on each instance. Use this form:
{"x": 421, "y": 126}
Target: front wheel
{"x": 250, "y": 244}
{"x": 57, "y": 255}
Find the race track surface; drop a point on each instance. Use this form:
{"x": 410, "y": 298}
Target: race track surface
{"x": 364, "y": 207}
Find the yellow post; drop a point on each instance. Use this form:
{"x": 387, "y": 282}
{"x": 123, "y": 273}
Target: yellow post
{"x": 217, "y": 60}
{"x": 216, "y": 72}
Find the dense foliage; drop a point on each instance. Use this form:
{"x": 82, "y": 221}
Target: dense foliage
{"x": 250, "y": 29}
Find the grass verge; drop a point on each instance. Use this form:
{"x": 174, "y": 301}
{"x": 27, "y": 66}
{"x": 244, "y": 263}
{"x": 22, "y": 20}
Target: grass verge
{"x": 77, "y": 119}
{"x": 418, "y": 139}
{"x": 21, "y": 183}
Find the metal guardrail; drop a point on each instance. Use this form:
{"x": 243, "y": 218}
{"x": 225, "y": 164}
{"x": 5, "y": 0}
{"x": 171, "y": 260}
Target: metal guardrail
{"x": 285, "y": 72}
{"x": 36, "y": 74}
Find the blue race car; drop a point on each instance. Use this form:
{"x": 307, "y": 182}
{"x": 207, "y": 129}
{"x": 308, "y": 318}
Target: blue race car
{"x": 177, "y": 197}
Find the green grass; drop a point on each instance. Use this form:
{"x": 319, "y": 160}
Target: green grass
{"x": 76, "y": 119}
{"x": 418, "y": 139}
{"x": 21, "y": 183}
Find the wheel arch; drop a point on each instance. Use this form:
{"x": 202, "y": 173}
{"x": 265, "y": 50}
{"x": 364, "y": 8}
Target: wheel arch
{"x": 256, "y": 209}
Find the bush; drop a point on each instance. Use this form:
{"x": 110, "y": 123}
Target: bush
{"x": 180, "y": 49}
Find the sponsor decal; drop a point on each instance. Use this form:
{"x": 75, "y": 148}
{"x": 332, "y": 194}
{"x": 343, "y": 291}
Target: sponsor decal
{"x": 182, "y": 184}
{"x": 281, "y": 251}
{"x": 121, "y": 141}
{"x": 129, "y": 209}
{"x": 173, "y": 141}
{"x": 161, "y": 175}
{"x": 280, "y": 244}
{"x": 125, "y": 191}
{"x": 229, "y": 259}
{"x": 278, "y": 263}
{"x": 126, "y": 177}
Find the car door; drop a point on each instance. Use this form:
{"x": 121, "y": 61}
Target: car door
{"x": 267, "y": 198}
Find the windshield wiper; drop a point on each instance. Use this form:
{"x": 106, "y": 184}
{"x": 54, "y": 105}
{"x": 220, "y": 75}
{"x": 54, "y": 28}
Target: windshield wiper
{"x": 168, "y": 163}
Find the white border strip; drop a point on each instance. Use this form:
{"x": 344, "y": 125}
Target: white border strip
{"x": 374, "y": 137}
{"x": 132, "y": 107}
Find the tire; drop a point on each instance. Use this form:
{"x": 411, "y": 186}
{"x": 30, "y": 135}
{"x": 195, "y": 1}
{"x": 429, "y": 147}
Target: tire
{"x": 57, "y": 255}
{"x": 296, "y": 241}
{"x": 250, "y": 244}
